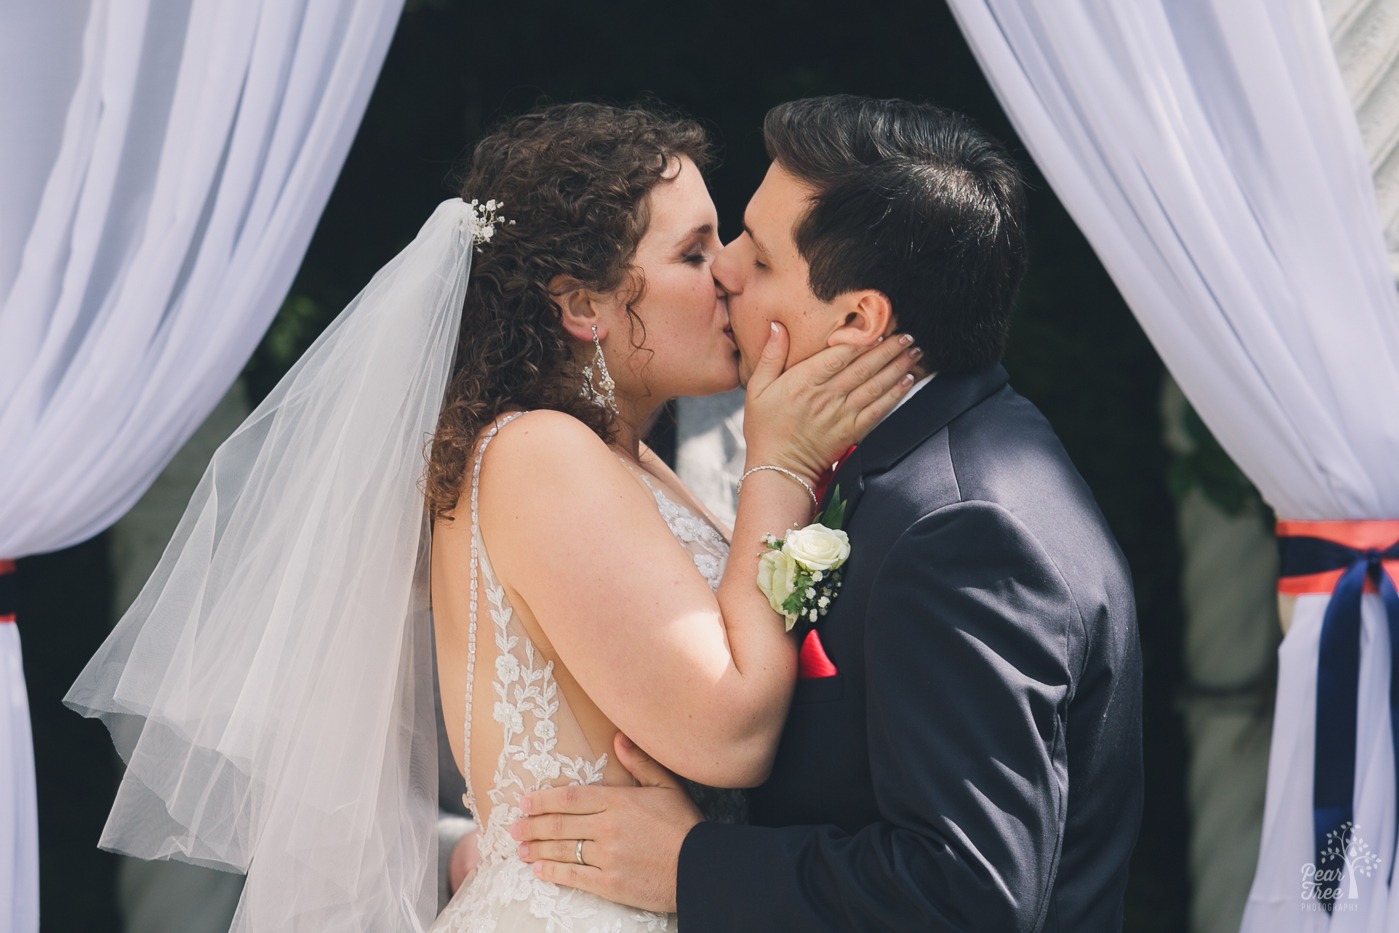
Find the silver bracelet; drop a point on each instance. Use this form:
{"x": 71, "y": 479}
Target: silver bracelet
{"x": 815, "y": 503}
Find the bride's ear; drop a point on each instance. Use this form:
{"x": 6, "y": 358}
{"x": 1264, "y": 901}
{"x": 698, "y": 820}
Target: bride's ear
{"x": 866, "y": 315}
{"x": 577, "y": 310}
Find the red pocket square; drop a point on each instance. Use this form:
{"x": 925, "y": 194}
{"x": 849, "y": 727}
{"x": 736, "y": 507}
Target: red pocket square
{"x": 812, "y": 662}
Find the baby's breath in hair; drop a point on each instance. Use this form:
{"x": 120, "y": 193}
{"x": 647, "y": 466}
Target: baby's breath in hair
{"x": 486, "y": 220}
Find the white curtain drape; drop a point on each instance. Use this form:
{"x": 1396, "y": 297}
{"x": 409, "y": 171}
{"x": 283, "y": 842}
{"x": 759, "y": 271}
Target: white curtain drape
{"x": 1209, "y": 152}
{"x": 163, "y": 164}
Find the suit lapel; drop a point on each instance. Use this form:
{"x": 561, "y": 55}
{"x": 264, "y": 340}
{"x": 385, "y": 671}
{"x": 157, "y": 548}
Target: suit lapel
{"x": 928, "y": 412}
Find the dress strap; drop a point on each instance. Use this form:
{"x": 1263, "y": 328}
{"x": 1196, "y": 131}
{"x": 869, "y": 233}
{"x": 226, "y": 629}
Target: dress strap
{"x": 471, "y": 605}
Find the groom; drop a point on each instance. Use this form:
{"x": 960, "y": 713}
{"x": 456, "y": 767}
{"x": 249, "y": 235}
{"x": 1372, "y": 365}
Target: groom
{"x": 963, "y": 750}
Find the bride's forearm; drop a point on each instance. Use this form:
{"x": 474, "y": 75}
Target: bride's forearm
{"x": 764, "y": 654}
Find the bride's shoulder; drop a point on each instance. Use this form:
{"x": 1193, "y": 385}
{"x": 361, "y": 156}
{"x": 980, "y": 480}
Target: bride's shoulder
{"x": 547, "y": 451}
{"x": 543, "y": 435}
{"x": 546, "y": 470}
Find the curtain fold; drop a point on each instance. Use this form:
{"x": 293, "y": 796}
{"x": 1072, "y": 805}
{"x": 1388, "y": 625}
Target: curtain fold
{"x": 1208, "y": 151}
{"x": 1210, "y": 154}
{"x": 163, "y": 164}
{"x": 199, "y": 142}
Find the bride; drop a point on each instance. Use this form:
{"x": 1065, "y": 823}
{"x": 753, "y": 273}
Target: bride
{"x": 270, "y": 689}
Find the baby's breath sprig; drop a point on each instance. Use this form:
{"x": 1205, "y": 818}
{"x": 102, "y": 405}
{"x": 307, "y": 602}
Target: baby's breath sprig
{"x": 485, "y": 220}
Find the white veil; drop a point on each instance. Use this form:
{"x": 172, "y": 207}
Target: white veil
{"x": 271, "y": 689}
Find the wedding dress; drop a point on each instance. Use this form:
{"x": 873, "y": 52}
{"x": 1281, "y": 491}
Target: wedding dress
{"x": 542, "y": 745}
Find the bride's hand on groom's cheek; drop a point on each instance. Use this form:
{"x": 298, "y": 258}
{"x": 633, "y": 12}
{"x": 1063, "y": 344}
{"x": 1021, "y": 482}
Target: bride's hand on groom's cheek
{"x": 806, "y": 417}
{"x": 631, "y": 835}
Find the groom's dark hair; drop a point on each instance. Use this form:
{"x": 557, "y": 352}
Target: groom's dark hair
{"x": 916, "y": 202}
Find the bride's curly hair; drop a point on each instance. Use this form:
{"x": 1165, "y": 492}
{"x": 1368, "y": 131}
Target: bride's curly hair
{"x": 573, "y": 178}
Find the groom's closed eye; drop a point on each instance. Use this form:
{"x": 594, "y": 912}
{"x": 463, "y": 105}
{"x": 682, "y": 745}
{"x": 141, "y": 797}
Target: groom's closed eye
{"x": 759, "y": 253}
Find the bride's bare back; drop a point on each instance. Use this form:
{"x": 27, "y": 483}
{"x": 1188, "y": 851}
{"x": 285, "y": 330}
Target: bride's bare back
{"x": 525, "y": 722}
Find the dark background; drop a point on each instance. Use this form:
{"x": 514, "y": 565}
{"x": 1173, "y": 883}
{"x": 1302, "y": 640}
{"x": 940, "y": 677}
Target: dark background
{"x": 458, "y": 66}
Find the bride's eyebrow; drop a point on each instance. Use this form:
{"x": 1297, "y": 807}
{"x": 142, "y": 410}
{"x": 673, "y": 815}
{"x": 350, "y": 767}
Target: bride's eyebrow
{"x": 702, "y": 230}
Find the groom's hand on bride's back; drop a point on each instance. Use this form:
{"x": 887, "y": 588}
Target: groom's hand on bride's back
{"x": 631, "y": 835}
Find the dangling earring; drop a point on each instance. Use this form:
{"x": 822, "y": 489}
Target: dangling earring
{"x": 600, "y": 395}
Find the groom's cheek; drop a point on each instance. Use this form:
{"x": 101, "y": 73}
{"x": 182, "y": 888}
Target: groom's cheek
{"x": 746, "y": 364}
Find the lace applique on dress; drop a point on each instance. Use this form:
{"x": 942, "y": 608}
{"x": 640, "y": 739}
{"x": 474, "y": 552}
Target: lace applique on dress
{"x": 526, "y": 706}
{"x": 707, "y": 547}
{"x": 543, "y": 746}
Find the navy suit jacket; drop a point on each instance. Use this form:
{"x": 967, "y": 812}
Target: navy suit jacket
{"x": 975, "y": 764}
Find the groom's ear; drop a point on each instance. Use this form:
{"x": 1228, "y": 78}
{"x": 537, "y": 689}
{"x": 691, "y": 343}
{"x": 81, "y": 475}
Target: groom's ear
{"x": 577, "y": 310}
{"x": 866, "y": 315}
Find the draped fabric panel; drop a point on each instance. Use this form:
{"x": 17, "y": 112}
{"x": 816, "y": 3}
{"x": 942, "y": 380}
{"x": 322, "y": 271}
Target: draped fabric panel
{"x": 163, "y": 164}
{"x": 170, "y": 161}
{"x": 1209, "y": 152}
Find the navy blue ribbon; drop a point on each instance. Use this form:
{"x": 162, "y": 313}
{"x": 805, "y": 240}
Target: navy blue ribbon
{"x": 1338, "y": 674}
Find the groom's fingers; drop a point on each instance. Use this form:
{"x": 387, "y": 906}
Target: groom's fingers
{"x": 555, "y": 826}
{"x": 647, "y": 771}
{"x": 575, "y": 798}
{"x": 639, "y": 881}
{"x": 563, "y": 851}
{"x": 572, "y": 875}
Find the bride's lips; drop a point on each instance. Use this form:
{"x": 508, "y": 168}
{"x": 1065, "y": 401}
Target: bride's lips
{"x": 729, "y": 332}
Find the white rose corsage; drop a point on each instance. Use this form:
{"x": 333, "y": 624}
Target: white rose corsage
{"x": 800, "y": 573}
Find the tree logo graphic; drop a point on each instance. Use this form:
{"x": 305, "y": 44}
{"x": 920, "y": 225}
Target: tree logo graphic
{"x": 1343, "y": 862}
{"x": 1354, "y": 853}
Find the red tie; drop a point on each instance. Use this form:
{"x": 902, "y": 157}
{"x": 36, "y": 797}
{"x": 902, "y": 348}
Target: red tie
{"x": 824, "y": 480}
